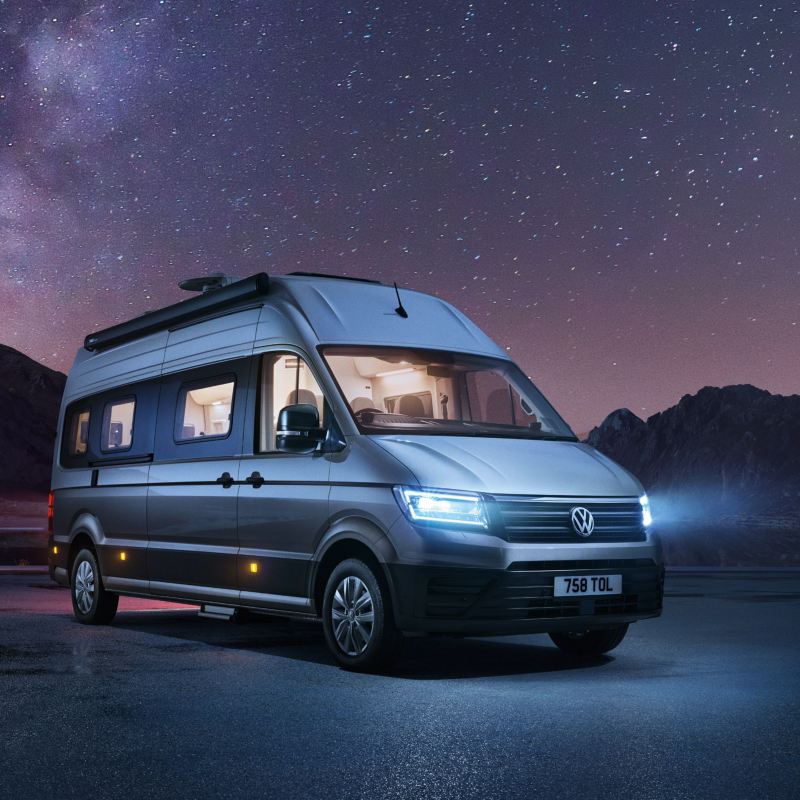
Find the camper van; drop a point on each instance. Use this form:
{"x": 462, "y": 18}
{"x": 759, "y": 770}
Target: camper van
{"x": 331, "y": 448}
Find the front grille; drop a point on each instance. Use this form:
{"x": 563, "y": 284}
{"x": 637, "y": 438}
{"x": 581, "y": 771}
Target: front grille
{"x": 535, "y": 519}
{"x": 522, "y": 594}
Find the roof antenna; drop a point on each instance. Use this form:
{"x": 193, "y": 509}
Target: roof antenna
{"x": 400, "y": 311}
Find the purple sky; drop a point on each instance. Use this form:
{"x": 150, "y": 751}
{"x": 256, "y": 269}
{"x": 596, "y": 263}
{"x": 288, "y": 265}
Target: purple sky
{"x": 612, "y": 190}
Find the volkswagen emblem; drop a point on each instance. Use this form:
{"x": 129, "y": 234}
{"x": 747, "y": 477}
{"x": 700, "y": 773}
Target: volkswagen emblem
{"x": 582, "y": 521}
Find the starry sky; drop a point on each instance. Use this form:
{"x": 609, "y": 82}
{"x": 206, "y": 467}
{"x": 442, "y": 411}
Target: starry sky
{"x": 612, "y": 190}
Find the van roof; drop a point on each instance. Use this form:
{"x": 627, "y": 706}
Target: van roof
{"x": 302, "y": 309}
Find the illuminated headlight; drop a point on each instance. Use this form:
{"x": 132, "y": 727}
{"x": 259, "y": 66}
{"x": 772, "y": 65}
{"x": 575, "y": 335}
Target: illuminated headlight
{"x": 445, "y": 508}
{"x": 647, "y": 517}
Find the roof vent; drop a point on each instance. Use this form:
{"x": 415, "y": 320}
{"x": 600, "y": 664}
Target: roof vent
{"x": 208, "y": 283}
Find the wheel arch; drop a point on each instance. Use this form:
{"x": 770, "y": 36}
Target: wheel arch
{"x": 351, "y": 537}
{"x": 85, "y": 531}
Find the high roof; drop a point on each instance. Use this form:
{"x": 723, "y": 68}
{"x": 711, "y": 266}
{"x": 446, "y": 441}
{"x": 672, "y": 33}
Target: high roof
{"x": 257, "y": 313}
{"x": 350, "y": 312}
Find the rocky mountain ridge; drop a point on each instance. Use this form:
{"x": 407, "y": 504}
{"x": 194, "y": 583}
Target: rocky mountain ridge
{"x": 30, "y": 395}
{"x": 734, "y": 448}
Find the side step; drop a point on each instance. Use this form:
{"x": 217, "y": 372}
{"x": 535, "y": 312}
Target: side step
{"x": 216, "y": 612}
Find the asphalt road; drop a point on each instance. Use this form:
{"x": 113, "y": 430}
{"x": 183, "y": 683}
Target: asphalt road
{"x": 702, "y": 703}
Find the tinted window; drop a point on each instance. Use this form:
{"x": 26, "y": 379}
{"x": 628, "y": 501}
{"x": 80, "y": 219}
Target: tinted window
{"x": 77, "y": 442}
{"x": 204, "y": 409}
{"x": 117, "y": 431}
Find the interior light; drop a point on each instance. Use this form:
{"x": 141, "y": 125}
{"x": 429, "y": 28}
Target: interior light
{"x": 123, "y": 556}
{"x": 388, "y": 372}
{"x": 253, "y": 566}
{"x": 55, "y": 549}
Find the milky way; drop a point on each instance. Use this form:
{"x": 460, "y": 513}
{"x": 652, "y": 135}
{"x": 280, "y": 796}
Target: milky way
{"x": 610, "y": 189}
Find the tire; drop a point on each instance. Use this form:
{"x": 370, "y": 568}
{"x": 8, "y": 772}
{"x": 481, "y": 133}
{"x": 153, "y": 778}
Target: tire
{"x": 357, "y": 618}
{"x": 91, "y": 603}
{"x": 589, "y": 643}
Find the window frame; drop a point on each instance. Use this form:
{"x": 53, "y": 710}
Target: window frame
{"x": 106, "y": 413}
{"x": 180, "y": 407}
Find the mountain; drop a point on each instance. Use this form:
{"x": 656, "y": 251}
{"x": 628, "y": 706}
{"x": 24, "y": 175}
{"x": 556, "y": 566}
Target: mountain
{"x": 738, "y": 446}
{"x": 30, "y": 394}
{"x": 722, "y": 468}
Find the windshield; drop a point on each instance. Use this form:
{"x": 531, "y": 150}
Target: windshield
{"x": 400, "y": 390}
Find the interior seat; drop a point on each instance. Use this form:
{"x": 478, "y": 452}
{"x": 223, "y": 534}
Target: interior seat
{"x": 498, "y": 407}
{"x": 302, "y": 396}
{"x": 411, "y": 406}
{"x": 360, "y": 403}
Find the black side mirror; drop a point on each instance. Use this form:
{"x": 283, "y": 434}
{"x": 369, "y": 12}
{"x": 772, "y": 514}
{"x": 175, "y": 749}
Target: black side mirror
{"x": 298, "y": 429}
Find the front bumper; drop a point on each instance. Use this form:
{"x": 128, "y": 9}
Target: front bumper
{"x": 519, "y": 599}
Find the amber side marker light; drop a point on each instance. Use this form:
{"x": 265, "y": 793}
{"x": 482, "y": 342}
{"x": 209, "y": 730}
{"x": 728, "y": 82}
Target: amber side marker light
{"x": 55, "y": 550}
{"x": 123, "y": 556}
{"x": 253, "y": 566}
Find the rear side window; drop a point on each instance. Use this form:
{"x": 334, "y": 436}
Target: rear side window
{"x": 77, "y": 442}
{"x": 117, "y": 431}
{"x": 204, "y": 409}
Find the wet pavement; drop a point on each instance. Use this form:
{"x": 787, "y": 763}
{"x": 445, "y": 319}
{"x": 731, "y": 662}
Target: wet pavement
{"x": 702, "y": 703}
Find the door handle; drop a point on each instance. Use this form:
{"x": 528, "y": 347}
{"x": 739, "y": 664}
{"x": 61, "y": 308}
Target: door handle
{"x": 255, "y": 480}
{"x": 225, "y": 480}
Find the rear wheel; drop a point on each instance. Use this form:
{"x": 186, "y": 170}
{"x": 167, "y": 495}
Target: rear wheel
{"x": 357, "y": 618}
{"x": 91, "y": 603}
{"x": 589, "y": 643}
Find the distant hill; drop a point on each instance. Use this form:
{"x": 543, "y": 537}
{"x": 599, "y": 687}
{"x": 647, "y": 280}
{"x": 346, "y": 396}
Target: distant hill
{"x": 737, "y": 445}
{"x": 30, "y": 395}
{"x": 723, "y": 470}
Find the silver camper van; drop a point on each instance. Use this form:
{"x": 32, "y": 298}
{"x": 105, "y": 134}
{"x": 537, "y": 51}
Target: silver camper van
{"x": 322, "y": 447}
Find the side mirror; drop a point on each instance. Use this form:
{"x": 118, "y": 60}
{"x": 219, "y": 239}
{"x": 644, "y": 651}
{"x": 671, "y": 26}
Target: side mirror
{"x": 298, "y": 429}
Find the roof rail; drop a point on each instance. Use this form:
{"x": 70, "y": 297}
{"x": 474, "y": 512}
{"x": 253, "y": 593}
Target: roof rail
{"x": 193, "y": 308}
{"x": 335, "y": 277}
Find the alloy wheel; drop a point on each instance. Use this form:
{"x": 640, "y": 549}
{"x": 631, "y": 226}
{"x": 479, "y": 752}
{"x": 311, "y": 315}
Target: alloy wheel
{"x": 352, "y": 615}
{"x": 84, "y": 587}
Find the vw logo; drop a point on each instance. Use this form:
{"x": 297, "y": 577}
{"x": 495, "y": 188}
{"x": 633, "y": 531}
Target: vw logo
{"x": 582, "y": 521}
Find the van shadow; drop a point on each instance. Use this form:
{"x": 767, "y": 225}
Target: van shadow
{"x": 430, "y": 658}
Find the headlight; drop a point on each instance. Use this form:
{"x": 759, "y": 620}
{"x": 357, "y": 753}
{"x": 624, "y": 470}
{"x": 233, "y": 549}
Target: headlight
{"x": 647, "y": 517}
{"x": 455, "y": 509}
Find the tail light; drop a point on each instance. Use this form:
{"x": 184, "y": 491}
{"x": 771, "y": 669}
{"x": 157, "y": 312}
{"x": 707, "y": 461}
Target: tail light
{"x": 51, "y": 507}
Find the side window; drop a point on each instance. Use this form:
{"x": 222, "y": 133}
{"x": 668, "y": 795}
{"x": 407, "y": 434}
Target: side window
{"x": 116, "y": 434}
{"x": 286, "y": 380}
{"x": 204, "y": 409}
{"x": 77, "y": 432}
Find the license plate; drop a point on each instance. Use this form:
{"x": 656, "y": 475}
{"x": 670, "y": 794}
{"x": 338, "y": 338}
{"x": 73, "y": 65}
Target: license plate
{"x": 578, "y": 585}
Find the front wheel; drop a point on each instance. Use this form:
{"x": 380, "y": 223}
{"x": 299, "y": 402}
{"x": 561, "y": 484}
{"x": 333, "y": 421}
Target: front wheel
{"x": 357, "y": 618}
{"x": 91, "y": 603}
{"x": 589, "y": 643}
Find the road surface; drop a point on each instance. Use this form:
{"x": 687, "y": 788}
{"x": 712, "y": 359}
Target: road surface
{"x": 702, "y": 703}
